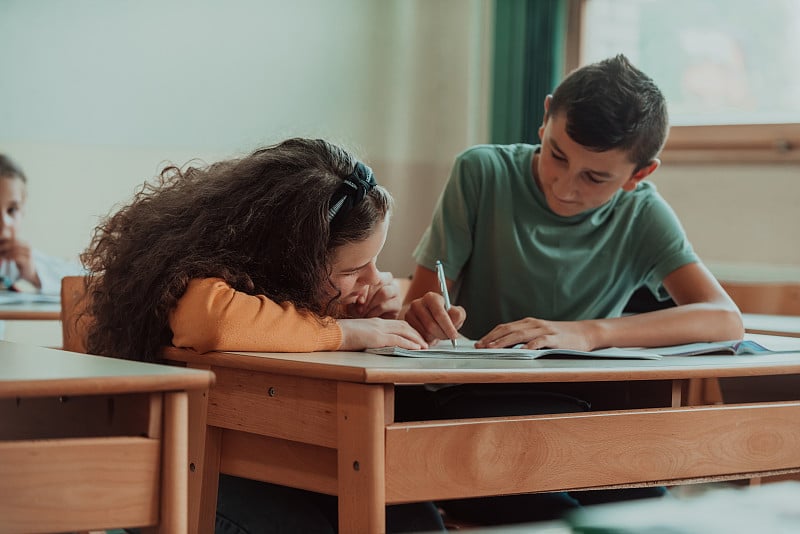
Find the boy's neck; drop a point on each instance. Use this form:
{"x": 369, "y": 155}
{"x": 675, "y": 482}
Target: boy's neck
{"x": 535, "y": 168}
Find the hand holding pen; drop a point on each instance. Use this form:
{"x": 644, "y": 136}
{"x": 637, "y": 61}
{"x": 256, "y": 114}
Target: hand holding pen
{"x": 429, "y": 309}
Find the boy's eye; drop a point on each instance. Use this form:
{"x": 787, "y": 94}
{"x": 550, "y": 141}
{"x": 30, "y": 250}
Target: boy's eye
{"x": 593, "y": 179}
{"x": 558, "y": 156}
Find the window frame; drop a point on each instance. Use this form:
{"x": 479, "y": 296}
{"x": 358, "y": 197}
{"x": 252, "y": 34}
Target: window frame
{"x": 733, "y": 143}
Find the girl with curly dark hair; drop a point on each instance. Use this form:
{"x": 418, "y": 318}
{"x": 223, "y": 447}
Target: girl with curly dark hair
{"x": 274, "y": 252}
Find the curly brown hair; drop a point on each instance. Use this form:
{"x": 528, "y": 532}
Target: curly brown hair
{"x": 259, "y": 222}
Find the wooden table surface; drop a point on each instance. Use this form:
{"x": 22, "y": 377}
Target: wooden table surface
{"x": 30, "y": 311}
{"x": 30, "y": 371}
{"x": 373, "y": 369}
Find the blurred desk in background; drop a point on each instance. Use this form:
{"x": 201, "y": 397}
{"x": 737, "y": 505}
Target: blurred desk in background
{"x": 779, "y": 325}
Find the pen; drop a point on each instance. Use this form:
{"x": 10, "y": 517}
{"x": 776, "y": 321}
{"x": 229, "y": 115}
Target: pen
{"x": 443, "y": 287}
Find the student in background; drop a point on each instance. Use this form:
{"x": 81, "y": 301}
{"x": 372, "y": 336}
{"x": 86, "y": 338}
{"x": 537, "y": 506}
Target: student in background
{"x": 22, "y": 267}
{"x": 275, "y": 251}
{"x": 544, "y": 245}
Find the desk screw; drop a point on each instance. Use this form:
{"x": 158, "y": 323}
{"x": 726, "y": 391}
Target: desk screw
{"x": 192, "y": 467}
{"x": 356, "y": 466}
{"x": 271, "y": 392}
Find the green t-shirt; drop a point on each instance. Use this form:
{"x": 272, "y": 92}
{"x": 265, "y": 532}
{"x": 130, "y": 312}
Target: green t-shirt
{"x": 512, "y": 257}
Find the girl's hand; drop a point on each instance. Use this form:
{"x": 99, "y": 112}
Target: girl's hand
{"x": 429, "y": 317}
{"x": 360, "y": 334}
{"x": 539, "y": 334}
{"x": 19, "y": 252}
{"x": 383, "y": 300}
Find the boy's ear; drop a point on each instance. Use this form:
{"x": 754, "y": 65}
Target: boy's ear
{"x": 641, "y": 174}
{"x": 547, "y": 100}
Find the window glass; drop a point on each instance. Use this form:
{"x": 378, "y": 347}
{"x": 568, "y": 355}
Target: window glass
{"x": 718, "y": 62}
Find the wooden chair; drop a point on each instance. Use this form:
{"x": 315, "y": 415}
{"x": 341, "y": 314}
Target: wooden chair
{"x": 165, "y": 513}
{"x": 767, "y": 298}
{"x": 74, "y": 320}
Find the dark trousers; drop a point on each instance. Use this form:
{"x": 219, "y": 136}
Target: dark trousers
{"x": 252, "y": 507}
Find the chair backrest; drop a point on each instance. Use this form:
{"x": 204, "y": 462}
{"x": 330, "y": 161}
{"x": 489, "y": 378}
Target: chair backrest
{"x": 74, "y": 321}
{"x": 765, "y": 297}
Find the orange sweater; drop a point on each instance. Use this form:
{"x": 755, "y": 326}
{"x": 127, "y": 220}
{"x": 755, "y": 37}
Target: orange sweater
{"x": 212, "y": 315}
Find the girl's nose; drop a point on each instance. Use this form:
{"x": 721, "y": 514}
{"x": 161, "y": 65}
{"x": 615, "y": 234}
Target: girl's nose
{"x": 372, "y": 276}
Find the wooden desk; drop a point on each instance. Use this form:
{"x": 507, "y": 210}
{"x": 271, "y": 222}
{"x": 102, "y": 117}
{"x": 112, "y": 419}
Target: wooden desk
{"x": 781, "y": 325}
{"x": 30, "y": 311}
{"x": 92, "y": 443}
{"x": 325, "y": 422}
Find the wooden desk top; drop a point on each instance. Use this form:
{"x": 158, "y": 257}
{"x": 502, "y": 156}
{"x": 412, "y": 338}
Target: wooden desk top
{"x": 370, "y": 368}
{"x": 30, "y": 311}
{"x": 781, "y": 325}
{"x": 31, "y": 371}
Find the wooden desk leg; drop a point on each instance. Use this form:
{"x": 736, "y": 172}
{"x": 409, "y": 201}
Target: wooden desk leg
{"x": 175, "y": 469}
{"x": 210, "y": 475}
{"x": 198, "y": 412}
{"x": 361, "y": 458}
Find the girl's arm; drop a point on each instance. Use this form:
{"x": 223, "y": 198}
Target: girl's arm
{"x": 212, "y": 315}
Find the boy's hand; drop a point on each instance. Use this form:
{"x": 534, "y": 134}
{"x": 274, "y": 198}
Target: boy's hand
{"x": 429, "y": 317}
{"x": 539, "y": 334}
{"x": 360, "y": 334}
{"x": 18, "y": 251}
{"x": 383, "y": 300}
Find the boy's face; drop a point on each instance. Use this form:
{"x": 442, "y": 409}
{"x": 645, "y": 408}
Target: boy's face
{"x": 575, "y": 179}
{"x": 12, "y": 200}
{"x": 353, "y": 268}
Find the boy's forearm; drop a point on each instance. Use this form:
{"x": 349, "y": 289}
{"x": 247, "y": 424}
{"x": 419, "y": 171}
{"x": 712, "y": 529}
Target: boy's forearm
{"x": 688, "y": 323}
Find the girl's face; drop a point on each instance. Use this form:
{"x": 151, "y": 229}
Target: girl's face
{"x": 12, "y": 200}
{"x": 353, "y": 268}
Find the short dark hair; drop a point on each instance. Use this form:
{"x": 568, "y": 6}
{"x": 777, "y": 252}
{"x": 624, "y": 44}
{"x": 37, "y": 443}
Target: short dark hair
{"x": 9, "y": 169}
{"x": 612, "y": 104}
{"x": 260, "y": 222}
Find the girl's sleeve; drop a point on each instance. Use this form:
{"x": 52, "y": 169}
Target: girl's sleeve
{"x": 212, "y": 315}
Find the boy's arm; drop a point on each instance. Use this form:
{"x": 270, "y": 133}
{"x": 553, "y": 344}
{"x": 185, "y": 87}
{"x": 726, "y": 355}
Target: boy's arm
{"x": 704, "y": 312}
{"x": 423, "y": 307}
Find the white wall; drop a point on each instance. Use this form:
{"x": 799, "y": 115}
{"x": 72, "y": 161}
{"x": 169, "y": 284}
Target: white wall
{"x": 96, "y": 95}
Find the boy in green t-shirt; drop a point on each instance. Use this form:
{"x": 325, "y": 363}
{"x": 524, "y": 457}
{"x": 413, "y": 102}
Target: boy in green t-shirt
{"x": 543, "y": 245}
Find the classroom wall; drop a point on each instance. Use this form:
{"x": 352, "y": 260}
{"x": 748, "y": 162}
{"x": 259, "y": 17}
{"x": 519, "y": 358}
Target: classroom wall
{"x": 743, "y": 220}
{"x": 95, "y": 96}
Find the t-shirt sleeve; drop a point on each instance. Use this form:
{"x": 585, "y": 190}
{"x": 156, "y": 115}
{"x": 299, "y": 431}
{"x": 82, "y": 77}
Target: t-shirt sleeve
{"x": 212, "y": 315}
{"x": 662, "y": 246}
{"x": 449, "y": 237}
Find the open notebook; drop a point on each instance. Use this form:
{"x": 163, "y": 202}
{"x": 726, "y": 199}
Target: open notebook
{"x": 466, "y": 349}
